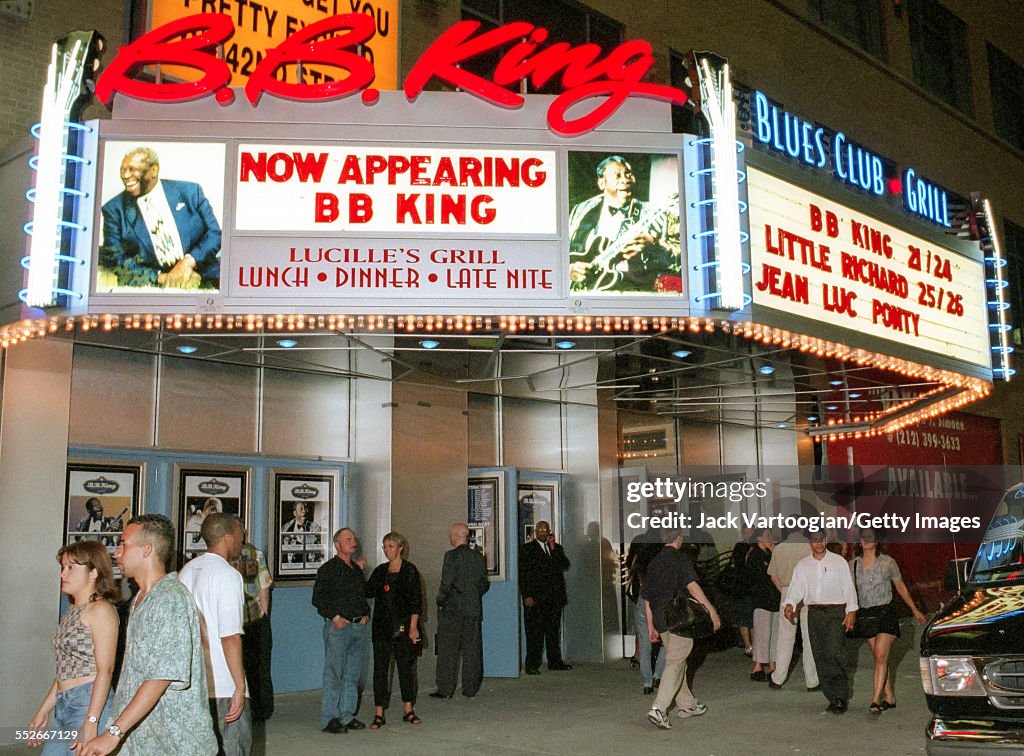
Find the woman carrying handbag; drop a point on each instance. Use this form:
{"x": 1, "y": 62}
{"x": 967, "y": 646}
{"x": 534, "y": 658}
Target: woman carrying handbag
{"x": 875, "y": 573}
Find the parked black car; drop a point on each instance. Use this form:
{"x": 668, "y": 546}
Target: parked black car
{"x": 972, "y": 652}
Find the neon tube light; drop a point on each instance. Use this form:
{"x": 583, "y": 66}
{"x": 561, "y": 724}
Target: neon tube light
{"x": 1003, "y": 349}
{"x": 721, "y": 115}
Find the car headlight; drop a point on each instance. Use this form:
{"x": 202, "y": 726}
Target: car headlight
{"x": 951, "y": 676}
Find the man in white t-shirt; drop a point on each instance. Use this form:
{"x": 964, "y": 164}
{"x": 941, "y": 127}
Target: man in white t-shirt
{"x": 216, "y": 587}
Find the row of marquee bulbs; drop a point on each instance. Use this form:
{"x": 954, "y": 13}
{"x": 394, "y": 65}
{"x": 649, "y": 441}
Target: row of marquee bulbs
{"x": 971, "y": 388}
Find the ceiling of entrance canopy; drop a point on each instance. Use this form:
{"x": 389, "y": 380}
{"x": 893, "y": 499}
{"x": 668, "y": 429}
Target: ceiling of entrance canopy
{"x": 704, "y": 377}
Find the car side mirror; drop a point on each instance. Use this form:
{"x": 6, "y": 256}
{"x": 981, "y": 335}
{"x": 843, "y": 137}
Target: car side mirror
{"x": 956, "y": 573}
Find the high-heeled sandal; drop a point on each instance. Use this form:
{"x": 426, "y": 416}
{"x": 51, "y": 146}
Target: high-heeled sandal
{"x": 876, "y": 708}
{"x": 378, "y": 722}
{"x": 411, "y": 718}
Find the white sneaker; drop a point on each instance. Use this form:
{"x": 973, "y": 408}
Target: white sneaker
{"x": 694, "y": 711}
{"x": 657, "y": 718}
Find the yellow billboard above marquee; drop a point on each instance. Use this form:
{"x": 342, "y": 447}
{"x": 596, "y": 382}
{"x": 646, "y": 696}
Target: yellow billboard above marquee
{"x": 264, "y": 25}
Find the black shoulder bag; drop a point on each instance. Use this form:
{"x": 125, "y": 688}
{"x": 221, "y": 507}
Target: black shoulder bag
{"x": 686, "y": 616}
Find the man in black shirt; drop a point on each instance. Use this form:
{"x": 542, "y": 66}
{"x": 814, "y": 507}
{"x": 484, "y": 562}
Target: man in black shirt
{"x": 671, "y": 574}
{"x": 339, "y": 596}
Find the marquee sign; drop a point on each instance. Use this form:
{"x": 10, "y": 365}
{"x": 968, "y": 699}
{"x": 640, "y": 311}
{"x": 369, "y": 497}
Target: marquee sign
{"x": 821, "y": 260}
{"x": 327, "y": 223}
{"x": 392, "y": 210}
{"x": 595, "y": 84}
{"x": 372, "y": 189}
{"x": 855, "y": 165}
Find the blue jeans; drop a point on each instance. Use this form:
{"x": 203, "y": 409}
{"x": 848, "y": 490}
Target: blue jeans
{"x": 344, "y": 651}
{"x": 69, "y": 713}
{"x": 643, "y": 647}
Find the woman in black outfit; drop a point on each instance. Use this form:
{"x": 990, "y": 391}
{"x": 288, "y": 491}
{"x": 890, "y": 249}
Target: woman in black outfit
{"x": 398, "y": 602}
{"x": 765, "y": 599}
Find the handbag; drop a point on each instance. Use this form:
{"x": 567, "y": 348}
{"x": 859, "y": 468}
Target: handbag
{"x": 686, "y": 616}
{"x": 868, "y": 623}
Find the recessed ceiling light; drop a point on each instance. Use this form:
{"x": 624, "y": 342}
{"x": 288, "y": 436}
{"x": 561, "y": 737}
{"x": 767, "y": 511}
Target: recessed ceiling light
{"x": 287, "y": 343}
{"x": 430, "y": 344}
{"x": 835, "y": 382}
{"x": 681, "y": 354}
{"x": 780, "y": 425}
{"x": 565, "y": 344}
{"x": 812, "y": 418}
{"x": 831, "y": 407}
{"x": 854, "y": 395}
{"x": 187, "y": 349}
{"x": 766, "y": 370}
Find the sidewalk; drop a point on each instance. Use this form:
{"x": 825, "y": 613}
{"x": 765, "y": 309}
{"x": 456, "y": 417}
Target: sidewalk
{"x": 598, "y": 709}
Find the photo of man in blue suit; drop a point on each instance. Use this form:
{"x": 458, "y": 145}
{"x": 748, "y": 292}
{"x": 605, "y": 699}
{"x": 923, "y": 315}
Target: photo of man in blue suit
{"x": 159, "y": 232}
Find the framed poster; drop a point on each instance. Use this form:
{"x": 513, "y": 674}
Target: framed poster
{"x": 485, "y": 517}
{"x": 99, "y": 501}
{"x": 478, "y": 539}
{"x": 621, "y": 202}
{"x": 140, "y": 247}
{"x": 303, "y": 509}
{"x": 202, "y": 492}
{"x": 537, "y": 501}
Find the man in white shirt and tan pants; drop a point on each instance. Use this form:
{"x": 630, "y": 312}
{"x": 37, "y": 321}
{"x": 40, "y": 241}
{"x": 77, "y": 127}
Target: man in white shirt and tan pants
{"x": 785, "y": 557}
{"x": 822, "y": 581}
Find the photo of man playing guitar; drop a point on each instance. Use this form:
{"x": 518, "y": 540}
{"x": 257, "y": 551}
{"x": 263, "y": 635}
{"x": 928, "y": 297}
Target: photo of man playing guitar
{"x": 618, "y": 243}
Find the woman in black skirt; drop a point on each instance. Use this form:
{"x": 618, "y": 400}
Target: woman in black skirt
{"x": 875, "y": 573}
{"x": 397, "y": 591}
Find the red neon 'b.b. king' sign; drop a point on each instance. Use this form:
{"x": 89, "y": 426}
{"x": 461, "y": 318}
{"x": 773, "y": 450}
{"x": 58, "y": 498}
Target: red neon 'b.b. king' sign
{"x": 586, "y": 71}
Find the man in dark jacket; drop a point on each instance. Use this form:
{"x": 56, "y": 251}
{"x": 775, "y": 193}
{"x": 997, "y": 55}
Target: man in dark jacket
{"x": 542, "y": 566}
{"x": 463, "y": 584}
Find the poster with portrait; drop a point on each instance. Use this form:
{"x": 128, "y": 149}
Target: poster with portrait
{"x": 161, "y": 215}
{"x": 302, "y": 524}
{"x": 478, "y": 539}
{"x": 536, "y": 502}
{"x": 485, "y": 517}
{"x": 201, "y": 492}
{"x": 624, "y": 227}
{"x": 99, "y": 502}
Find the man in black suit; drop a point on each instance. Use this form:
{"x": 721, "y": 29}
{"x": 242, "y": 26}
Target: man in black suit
{"x": 463, "y": 584}
{"x": 542, "y": 566}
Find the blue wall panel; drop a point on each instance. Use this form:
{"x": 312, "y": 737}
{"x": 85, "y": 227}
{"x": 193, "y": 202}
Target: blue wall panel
{"x": 298, "y": 658}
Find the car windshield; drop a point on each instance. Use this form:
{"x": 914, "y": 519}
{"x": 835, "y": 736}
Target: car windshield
{"x": 1001, "y": 556}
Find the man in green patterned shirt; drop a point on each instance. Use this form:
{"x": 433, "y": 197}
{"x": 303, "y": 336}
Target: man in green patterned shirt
{"x": 161, "y": 705}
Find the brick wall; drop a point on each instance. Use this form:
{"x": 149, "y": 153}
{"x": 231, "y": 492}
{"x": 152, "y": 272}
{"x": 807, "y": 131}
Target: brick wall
{"x": 25, "y": 54}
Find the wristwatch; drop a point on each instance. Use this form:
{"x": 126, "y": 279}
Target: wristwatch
{"x": 115, "y": 731}
{"x": 92, "y": 719}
